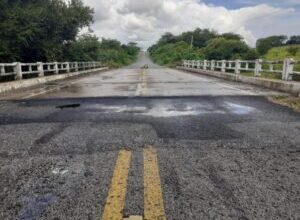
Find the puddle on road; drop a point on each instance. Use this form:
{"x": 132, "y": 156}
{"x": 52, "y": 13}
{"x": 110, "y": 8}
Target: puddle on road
{"x": 239, "y": 109}
{"x": 173, "y": 110}
{"x": 166, "y": 111}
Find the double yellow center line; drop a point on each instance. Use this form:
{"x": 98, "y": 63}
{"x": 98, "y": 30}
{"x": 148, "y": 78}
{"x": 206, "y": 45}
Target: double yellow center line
{"x": 153, "y": 199}
{"x": 117, "y": 193}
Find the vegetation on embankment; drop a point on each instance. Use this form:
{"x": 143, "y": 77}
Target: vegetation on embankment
{"x": 200, "y": 44}
{"x": 172, "y": 53}
{"x": 49, "y": 30}
{"x": 109, "y": 51}
{"x": 280, "y": 53}
{"x": 206, "y": 44}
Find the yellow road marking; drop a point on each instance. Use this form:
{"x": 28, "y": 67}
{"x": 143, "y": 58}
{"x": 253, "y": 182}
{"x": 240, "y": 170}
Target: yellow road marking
{"x": 134, "y": 217}
{"x": 115, "y": 201}
{"x": 153, "y": 199}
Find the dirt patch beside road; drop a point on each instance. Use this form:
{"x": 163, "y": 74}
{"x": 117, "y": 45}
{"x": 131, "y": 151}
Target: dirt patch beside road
{"x": 289, "y": 101}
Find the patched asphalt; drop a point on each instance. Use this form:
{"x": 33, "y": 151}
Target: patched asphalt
{"x": 230, "y": 156}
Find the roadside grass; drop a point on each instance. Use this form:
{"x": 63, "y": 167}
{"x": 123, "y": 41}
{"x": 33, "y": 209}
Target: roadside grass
{"x": 280, "y": 53}
{"x": 263, "y": 75}
{"x": 289, "y": 101}
{"x": 268, "y": 75}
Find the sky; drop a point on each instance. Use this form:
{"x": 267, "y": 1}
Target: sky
{"x": 144, "y": 21}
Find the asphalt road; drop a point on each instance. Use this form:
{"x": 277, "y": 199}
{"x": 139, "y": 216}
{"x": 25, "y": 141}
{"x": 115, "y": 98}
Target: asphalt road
{"x": 192, "y": 146}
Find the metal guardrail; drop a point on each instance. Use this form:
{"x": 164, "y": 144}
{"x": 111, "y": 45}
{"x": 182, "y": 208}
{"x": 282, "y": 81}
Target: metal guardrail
{"x": 286, "y": 67}
{"x": 19, "y": 70}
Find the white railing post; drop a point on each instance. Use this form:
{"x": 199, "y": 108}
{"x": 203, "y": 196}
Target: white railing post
{"x": 223, "y": 68}
{"x": 258, "y": 67}
{"x": 237, "y": 68}
{"x": 247, "y": 65}
{"x": 40, "y": 69}
{"x": 288, "y": 68}
{"x": 56, "y": 71}
{"x": 18, "y": 70}
{"x": 68, "y": 67}
{"x": 205, "y": 65}
{"x": 76, "y": 66}
{"x": 198, "y": 64}
{"x": 271, "y": 67}
{"x": 2, "y": 70}
{"x": 212, "y": 65}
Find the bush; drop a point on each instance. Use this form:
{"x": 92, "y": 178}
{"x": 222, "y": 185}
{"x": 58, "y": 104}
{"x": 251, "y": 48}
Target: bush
{"x": 199, "y": 44}
{"x": 293, "y": 50}
{"x": 114, "y": 54}
{"x": 171, "y": 54}
{"x": 223, "y": 49}
{"x": 263, "y": 45}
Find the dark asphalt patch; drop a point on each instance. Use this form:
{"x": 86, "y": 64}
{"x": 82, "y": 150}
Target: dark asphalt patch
{"x": 47, "y": 137}
{"x": 219, "y": 157}
{"x": 211, "y": 118}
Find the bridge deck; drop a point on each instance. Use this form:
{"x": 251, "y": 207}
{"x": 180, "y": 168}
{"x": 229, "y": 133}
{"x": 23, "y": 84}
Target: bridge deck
{"x": 194, "y": 147}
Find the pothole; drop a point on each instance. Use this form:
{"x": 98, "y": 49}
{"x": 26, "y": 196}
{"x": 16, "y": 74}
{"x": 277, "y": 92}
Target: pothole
{"x": 68, "y": 106}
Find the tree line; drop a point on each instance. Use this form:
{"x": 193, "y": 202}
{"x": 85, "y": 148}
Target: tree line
{"x": 208, "y": 44}
{"x": 263, "y": 45}
{"x": 49, "y": 30}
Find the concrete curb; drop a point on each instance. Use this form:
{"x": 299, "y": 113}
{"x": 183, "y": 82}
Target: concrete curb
{"x": 279, "y": 85}
{"x": 18, "y": 84}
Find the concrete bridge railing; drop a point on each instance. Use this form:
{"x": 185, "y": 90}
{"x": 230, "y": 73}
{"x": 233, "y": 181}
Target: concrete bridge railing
{"x": 20, "y": 70}
{"x": 286, "y": 67}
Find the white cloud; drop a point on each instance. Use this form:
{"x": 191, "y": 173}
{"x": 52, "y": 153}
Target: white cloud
{"x": 144, "y": 21}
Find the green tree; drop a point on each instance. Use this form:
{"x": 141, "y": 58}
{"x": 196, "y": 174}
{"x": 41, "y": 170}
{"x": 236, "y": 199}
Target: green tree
{"x": 114, "y": 54}
{"x": 199, "y": 37}
{"x": 294, "y": 40}
{"x": 206, "y": 44}
{"x": 231, "y": 36}
{"x": 171, "y": 54}
{"x": 263, "y": 45}
{"x": 223, "y": 49}
{"x": 250, "y": 55}
{"x": 167, "y": 38}
{"x": 38, "y": 30}
{"x": 85, "y": 48}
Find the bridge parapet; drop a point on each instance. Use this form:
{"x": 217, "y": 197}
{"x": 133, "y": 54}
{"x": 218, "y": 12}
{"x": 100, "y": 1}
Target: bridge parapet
{"x": 287, "y": 68}
{"x": 19, "y": 70}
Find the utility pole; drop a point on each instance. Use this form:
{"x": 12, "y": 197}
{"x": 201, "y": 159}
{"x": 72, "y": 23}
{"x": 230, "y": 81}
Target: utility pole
{"x": 192, "y": 41}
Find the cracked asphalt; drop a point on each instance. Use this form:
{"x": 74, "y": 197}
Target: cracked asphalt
{"x": 224, "y": 151}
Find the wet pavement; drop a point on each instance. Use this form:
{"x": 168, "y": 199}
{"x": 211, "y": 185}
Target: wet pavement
{"x": 134, "y": 81}
{"x": 222, "y": 150}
